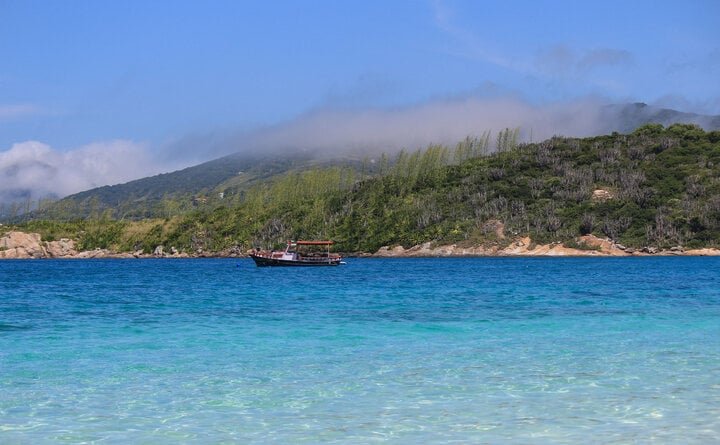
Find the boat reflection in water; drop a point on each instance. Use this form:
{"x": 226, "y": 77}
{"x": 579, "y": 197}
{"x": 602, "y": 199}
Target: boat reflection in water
{"x": 298, "y": 253}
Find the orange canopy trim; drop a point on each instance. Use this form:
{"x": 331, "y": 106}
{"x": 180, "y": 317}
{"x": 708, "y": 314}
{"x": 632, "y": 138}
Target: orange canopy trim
{"x": 314, "y": 243}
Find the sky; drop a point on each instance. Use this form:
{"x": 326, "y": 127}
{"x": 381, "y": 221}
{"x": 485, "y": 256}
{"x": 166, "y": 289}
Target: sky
{"x": 97, "y": 92}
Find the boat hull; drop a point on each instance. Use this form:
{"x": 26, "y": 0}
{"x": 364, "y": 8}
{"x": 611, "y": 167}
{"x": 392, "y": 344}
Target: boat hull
{"x": 261, "y": 261}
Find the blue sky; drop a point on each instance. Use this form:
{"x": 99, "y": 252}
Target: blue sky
{"x": 76, "y": 73}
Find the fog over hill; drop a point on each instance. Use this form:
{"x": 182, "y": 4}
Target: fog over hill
{"x": 624, "y": 118}
{"x": 32, "y": 170}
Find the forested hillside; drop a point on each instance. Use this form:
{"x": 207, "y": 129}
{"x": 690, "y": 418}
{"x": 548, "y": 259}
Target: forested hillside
{"x": 654, "y": 187}
{"x": 200, "y": 187}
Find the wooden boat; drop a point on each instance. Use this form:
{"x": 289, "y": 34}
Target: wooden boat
{"x": 298, "y": 253}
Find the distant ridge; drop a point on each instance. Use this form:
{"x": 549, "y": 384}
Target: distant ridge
{"x": 138, "y": 198}
{"x": 624, "y": 118}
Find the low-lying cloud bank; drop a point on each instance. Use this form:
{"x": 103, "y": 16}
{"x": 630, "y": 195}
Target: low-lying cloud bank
{"x": 333, "y": 132}
{"x": 35, "y": 170}
{"x": 442, "y": 121}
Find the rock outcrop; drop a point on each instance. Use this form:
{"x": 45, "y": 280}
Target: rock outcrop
{"x": 602, "y": 195}
{"x": 702, "y": 252}
{"x": 65, "y": 248}
{"x": 588, "y": 245}
{"x": 22, "y": 245}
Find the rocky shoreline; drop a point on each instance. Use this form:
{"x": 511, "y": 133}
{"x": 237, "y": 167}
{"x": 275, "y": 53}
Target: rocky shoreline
{"x": 21, "y": 245}
{"x": 590, "y": 246}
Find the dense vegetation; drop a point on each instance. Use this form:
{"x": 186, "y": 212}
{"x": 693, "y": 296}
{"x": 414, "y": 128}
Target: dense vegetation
{"x": 654, "y": 187}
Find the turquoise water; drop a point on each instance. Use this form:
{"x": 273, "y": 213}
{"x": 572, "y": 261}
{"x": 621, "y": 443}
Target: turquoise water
{"x": 492, "y": 350}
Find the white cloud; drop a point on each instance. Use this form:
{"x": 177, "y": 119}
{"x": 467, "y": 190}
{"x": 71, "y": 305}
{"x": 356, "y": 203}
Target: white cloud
{"x": 33, "y": 169}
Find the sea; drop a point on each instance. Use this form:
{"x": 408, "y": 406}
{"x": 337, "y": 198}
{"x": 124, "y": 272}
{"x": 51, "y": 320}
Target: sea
{"x": 401, "y": 351}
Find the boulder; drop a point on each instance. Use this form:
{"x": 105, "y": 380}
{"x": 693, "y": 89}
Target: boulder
{"x": 21, "y": 245}
{"x": 386, "y": 251}
{"x": 601, "y": 195}
{"x": 60, "y": 249}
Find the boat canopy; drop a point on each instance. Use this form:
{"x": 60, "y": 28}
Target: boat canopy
{"x": 314, "y": 243}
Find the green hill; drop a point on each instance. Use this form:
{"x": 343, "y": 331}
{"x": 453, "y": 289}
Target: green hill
{"x": 654, "y": 187}
{"x": 202, "y": 185}
{"x": 170, "y": 194}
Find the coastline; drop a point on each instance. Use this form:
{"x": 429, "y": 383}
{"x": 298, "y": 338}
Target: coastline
{"x": 592, "y": 246}
{"x": 21, "y": 245}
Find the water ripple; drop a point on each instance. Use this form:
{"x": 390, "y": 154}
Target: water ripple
{"x": 399, "y": 351}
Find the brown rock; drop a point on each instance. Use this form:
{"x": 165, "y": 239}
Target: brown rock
{"x": 60, "y": 249}
{"x": 703, "y": 252}
{"x": 601, "y": 195}
{"x": 21, "y": 245}
{"x": 386, "y": 251}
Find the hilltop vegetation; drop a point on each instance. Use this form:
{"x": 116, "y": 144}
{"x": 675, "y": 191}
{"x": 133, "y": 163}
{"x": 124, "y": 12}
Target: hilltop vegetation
{"x": 654, "y": 187}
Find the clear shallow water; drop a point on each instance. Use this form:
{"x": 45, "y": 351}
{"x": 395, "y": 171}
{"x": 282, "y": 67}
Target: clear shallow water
{"x": 540, "y": 350}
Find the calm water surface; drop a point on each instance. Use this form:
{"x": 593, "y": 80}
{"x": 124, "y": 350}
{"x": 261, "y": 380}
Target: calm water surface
{"x": 380, "y": 350}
